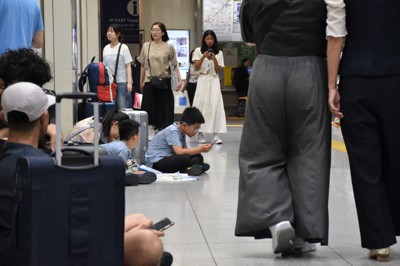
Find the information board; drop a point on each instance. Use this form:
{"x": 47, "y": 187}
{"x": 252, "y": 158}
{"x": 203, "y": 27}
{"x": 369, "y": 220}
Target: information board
{"x": 180, "y": 40}
{"x": 222, "y": 16}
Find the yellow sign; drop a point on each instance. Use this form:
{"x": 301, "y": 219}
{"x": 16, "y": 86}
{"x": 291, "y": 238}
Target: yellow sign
{"x": 228, "y": 75}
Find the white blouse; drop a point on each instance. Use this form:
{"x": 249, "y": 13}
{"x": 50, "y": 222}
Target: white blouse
{"x": 336, "y": 21}
{"x": 208, "y": 65}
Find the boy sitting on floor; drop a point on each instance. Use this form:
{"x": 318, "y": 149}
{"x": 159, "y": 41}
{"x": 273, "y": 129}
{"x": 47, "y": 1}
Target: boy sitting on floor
{"x": 128, "y": 140}
{"x": 168, "y": 152}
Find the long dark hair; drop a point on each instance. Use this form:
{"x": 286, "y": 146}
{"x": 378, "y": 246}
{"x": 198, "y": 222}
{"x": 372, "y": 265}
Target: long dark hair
{"x": 191, "y": 56}
{"x": 163, "y": 29}
{"x": 204, "y": 46}
{"x": 112, "y": 115}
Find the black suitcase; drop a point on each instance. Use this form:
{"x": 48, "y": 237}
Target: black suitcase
{"x": 70, "y": 209}
{"x": 85, "y": 109}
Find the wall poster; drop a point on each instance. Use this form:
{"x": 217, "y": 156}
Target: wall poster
{"x": 180, "y": 39}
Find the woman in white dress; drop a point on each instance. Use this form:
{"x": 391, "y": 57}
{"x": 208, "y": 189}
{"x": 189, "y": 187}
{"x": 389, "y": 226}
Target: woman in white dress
{"x": 209, "y": 61}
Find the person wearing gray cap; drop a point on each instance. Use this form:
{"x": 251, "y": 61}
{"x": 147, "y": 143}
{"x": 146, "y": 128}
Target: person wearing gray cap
{"x": 25, "y": 112}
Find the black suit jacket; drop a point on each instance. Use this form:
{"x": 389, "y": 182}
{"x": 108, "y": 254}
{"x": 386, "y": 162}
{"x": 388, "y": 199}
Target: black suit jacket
{"x": 372, "y": 45}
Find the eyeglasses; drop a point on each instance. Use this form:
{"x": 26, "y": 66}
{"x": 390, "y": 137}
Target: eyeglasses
{"x": 196, "y": 129}
{"x": 155, "y": 30}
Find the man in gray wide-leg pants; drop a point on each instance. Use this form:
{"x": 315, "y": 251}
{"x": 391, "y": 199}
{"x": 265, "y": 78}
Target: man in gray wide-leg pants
{"x": 284, "y": 156}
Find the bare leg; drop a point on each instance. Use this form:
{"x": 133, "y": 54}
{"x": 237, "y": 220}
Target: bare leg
{"x": 135, "y": 220}
{"x": 142, "y": 248}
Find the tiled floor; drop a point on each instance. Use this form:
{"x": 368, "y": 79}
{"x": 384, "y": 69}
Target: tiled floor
{"x": 204, "y": 212}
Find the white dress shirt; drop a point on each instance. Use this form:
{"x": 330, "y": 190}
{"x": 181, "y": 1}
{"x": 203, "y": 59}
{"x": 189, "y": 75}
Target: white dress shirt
{"x": 336, "y": 21}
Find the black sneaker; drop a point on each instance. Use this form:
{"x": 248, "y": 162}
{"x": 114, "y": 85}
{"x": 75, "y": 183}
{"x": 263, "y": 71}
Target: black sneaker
{"x": 195, "y": 170}
{"x": 166, "y": 259}
{"x": 147, "y": 178}
{"x": 205, "y": 166}
{"x": 131, "y": 179}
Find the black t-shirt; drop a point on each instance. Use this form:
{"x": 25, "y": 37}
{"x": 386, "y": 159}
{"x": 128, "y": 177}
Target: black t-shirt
{"x": 8, "y": 162}
{"x": 241, "y": 78}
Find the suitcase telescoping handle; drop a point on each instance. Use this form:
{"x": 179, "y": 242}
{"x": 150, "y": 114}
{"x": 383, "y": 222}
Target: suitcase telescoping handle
{"x": 73, "y": 96}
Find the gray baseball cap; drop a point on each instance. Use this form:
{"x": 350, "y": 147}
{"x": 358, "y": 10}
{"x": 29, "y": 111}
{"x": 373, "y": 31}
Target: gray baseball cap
{"x": 24, "y": 97}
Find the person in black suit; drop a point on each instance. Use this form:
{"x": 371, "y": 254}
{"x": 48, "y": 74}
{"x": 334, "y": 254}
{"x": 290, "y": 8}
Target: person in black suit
{"x": 241, "y": 77}
{"x": 367, "y": 103}
{"x": 241, "y": 82}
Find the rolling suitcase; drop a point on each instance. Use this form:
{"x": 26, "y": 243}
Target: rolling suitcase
{"x": 86, "y": 109}
{"x": 69, "y": 209}
{"x": 142, "y": 118}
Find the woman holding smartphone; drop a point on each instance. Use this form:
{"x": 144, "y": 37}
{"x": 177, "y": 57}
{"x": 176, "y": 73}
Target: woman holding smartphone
{"x": 209, "y": 61}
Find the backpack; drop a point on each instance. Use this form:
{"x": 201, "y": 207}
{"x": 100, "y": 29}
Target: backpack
{"x": 101, "y": 81}
{"x": 82, "y": 131}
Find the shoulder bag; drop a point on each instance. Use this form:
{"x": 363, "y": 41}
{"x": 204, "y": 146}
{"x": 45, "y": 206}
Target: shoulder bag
{"x": 108, "y": 93}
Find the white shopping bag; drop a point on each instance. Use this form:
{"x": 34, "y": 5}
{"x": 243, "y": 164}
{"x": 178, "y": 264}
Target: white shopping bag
{"x": 181, "y": 100}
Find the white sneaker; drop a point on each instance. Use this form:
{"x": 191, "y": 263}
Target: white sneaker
{"x": 216, "y": 139}
{"x": 282, "y": 234}
{"x": 299, "y": 245}
{"x": 200, "y": 138}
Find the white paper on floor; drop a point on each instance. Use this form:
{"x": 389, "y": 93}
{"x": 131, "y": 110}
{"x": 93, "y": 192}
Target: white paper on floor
{"x": 175, "y": 177}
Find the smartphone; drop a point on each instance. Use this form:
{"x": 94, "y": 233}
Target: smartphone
{"x": 162, "y": 225}
{"x": 211, "y": 51}
{"x": 213, "y": 142}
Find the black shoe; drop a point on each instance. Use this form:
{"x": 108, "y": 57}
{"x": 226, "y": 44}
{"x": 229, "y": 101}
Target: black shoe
{"x": 166, "y": 259}
{"x": 205, "y": 166}
{"x": 147, "y": 178}
{"x": 131, "y": 179}
{"x": 195, "y": 170}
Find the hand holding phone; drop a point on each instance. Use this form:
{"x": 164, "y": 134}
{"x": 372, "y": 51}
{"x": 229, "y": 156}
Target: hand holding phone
{"x": 162, "y": 225}
{"x": 210, "y": 52}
